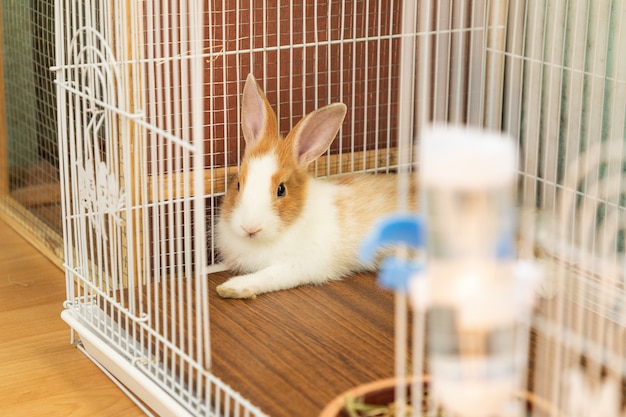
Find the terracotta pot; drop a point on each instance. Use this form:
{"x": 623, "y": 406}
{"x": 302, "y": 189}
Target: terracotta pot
{"x": 380, "y": 392}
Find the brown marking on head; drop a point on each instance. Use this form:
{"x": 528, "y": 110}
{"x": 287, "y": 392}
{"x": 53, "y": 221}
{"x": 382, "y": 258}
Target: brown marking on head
{"x": 307, "y": 140}
{"x": 295, "y": 179}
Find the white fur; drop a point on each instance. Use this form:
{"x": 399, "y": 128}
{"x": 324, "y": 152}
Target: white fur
{"x": 321, "y": 245}
{"x": 303, "y": 253}
{"x": 254, "y": 213}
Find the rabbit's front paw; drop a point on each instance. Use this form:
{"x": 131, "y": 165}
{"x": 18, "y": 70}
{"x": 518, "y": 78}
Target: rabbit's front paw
{"x": 235, "y": 288}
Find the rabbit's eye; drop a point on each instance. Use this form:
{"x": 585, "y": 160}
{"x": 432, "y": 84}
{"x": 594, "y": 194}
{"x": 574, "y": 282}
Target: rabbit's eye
{"x": 237, "y": 186}
{"x": 282, "y": 191}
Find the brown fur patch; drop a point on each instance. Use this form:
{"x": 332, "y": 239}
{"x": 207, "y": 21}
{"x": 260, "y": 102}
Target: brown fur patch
{"x": 367, "y": 197}
{"x": 230, "y": 199}
{"x": 295, "y": 178}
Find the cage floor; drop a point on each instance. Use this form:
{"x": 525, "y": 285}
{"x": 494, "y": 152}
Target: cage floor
{"x": 291, "y": 352}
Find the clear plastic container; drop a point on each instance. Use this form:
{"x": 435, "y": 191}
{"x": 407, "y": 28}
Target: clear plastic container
{"x": 467, "y": 179}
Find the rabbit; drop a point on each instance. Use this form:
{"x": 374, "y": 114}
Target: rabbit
{"x": 278, "y": 225}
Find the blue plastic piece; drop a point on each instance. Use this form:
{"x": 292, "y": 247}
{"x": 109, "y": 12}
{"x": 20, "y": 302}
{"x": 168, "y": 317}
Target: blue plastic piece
{"x": 395, "y": 273}
{"x": 505, "y": 248}
{"x": 395, "y": 230}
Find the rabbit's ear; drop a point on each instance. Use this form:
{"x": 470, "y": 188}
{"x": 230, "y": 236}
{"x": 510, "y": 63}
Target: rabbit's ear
{"x": 257, "y": 116}
{"x": 316, "y": 131}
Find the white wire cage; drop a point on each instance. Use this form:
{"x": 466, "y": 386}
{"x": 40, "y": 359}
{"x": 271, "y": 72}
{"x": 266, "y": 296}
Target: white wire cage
{"x": 148, "y": 111}
{"x": 131, "y": 126}
{"x": 571, "y": 132}
{"x": 149, "y": 96}
{"x": 559, "y": 90}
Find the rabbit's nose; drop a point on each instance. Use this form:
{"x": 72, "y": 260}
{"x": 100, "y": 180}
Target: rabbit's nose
{"x": 251, "y": 230}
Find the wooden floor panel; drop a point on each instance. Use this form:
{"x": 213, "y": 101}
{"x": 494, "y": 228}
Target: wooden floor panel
{"x": 292, "y": 352}
{"x": 41, "y": 373}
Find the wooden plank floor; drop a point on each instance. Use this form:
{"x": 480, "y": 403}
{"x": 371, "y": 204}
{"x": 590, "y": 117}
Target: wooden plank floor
{"x": 289, "y": 352}
{"x": 292, "y": 352}
{"x": 41, "y": 373}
